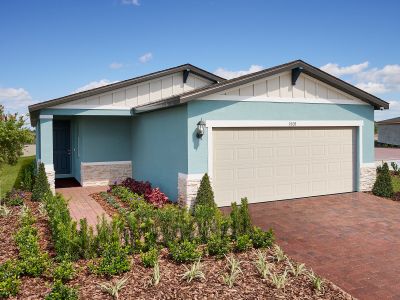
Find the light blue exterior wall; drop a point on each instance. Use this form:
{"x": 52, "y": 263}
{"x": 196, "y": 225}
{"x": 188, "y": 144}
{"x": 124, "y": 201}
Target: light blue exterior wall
{"x": 163, "y": 143}
{"x": 104, "y": 138}
{"x": 46, "y": 140}
{"x": 234, "y": 110}
{"x": 37, "y": 142}
{"x": 93, "y": 139}
{"x": 159, "y": 148}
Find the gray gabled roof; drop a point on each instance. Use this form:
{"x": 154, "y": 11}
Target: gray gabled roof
{"x": 228, "y": 84}
{"x": 389, "y": 121}
{"x": 121, "y": 84}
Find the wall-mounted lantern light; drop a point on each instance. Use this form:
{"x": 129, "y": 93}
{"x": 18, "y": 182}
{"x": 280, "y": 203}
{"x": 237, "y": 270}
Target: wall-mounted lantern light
{"x": 200, "y": 129}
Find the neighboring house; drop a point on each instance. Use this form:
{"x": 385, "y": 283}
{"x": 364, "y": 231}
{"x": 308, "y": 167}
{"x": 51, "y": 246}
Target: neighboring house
{"x": 389, "y": 131}
{"x": 285, "y": 132}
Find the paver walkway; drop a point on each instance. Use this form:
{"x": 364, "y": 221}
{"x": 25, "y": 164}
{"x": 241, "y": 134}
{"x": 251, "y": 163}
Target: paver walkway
{"x": 387, "y": 154}
{"x": 81, "y": 205}
{"x": 352, "y": 239}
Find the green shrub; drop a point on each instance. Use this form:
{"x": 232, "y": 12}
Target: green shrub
{"x": 183, "y": 252}
{"x": 14, "y": 198}
{"x": 235, "y": 220}
{"x": 28, "y": 176}
{"x": 64, "y": 271}
{"x": 168, "y": 218}
{"x": 33, "y": 261}
{"x": 383, "y": 185}
{"x": 62, "y": 292}
{"x": 114, "y": 260}
{"x": 205, "y": 194}
{"x": 222, "y": 224}
{"x": 186, "y": 225}
{"x": 41, "y": 187}
{"x": 243, "y": 243}
{"x": 240, "y": 217}
{"x": 262, "y": 239}
{"x": 63, "y": 229}
{"x": 149, "y": 258}
{"x": 146, "y": 216}
{"x": 85, "y": 239}
{"x": 126, "y": 195}
{"x": 26, "y": 217}
{"x": 9, "y": 279}
{"x": 245, "y": 220}
{"x": 133, "y": 237}
{"x": 204, "y": 216}
{"x": 218, "y": 246}
{"x": 120, "y": 191}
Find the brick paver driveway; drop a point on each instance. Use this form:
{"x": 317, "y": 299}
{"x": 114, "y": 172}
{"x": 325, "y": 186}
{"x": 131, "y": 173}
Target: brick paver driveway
{"x": 352, "y": 239}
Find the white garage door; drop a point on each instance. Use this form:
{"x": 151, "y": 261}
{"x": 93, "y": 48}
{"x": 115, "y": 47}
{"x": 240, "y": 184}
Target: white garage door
{"x": 265, "y": 164}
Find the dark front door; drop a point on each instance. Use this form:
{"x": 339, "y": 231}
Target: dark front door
{"x": 62, "y": 146}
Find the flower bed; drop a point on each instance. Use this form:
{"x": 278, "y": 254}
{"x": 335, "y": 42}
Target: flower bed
{"x": 156, "y": 252}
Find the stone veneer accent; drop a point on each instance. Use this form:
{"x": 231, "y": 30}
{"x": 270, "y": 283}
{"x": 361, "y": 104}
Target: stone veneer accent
{"x": 367, "y": 177}
{"x": 105, "y": 173}
{"x": 51, "y": 176}
{"x": 188, "y": 184}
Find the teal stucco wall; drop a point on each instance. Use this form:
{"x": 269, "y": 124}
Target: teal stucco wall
{"x": 234, "y": 110}
{"x": 159, "y": 148}
{"x": 104, "y": 138}
{"x": 46, "y": 140}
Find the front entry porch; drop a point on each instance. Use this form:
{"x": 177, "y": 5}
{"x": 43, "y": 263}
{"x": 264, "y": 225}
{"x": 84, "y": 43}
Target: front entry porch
{"x": 93, "y": 149}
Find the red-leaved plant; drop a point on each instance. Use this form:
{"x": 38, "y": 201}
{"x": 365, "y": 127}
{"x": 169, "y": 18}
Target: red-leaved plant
{"x": 152, "y": 195}
{"x": 138, "y": 187}
{"x": 156, "y": 197}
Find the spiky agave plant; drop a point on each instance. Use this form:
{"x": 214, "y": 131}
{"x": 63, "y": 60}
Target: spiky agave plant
{"x": 234, "y": 271}
{"x": 263, "y": 267}
{"x": 113, "y": 289}
{"x": 279, "y": 281}
{"x": 194, "y": 272}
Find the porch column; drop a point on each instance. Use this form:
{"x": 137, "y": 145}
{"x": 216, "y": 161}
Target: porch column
{"x": 46, "y": 147}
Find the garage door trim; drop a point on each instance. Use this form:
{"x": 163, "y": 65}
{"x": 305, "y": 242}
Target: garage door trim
{"x": 210, "y": 124}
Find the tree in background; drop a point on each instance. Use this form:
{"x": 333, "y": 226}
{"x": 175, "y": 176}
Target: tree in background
{"x": 13, "y": 137}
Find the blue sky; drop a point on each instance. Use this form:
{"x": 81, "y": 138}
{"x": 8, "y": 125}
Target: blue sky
{"x": 52, "y": 48}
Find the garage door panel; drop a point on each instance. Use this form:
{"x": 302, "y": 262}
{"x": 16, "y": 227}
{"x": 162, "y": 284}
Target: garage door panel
{"x": 245, "y": 174}
{"x": 245, "y": 153}
{"x": 266, "y": 164}
{"x": 265, "y": 172}
{"x": 224, "y": 154}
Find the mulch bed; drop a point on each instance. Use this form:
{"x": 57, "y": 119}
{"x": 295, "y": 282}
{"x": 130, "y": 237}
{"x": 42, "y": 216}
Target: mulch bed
{"x": 8, "y": 227}
{"x": 103, "y": 203}
{"x": 248, "y": 286}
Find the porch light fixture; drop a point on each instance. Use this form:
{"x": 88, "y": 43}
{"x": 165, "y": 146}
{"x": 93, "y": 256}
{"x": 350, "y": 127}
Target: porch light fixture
{"x": 200, "y": 129}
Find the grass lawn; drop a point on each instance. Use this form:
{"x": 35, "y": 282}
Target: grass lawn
{"x": 9, "y": 174}
{"x": 396, "y": 183}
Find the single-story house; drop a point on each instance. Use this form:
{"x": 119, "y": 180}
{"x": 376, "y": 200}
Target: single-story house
{"x": 389, "y": 131}
{"x": 285, "y": 132}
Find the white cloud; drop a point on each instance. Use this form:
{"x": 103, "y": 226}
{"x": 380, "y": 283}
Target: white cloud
{"x": 372, "y": 80}
{"x": 392, "y": 112}
{"x": 146, "y": 57}
{"x": 131, "y": 2}
{"x": 93, "y": 85}
{"x": 372, "y": 87}
{"x": 116, "y": 65}
{"x": 15, "y": 99}
{"x": 232, "y": 74}
{"x": 336, "y": 70}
